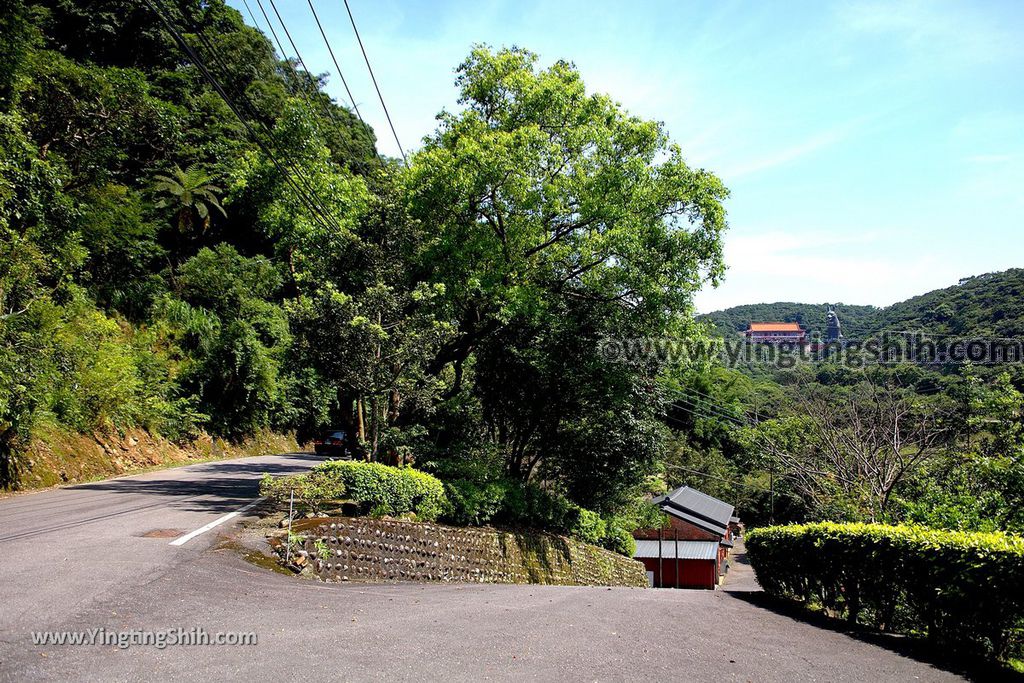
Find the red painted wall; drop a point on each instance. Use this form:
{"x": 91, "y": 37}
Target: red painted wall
{"x": 692, "y": 573}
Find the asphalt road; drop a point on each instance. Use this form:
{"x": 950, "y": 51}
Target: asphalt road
{"x": 98, "y": 556}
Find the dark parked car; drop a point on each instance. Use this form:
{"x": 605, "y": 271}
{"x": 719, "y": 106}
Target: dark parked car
{"x": 334, "y": 443}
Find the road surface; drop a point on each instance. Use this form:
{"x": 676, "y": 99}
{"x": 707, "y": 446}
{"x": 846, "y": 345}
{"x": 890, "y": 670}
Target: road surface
{"x": 98, "y": 556}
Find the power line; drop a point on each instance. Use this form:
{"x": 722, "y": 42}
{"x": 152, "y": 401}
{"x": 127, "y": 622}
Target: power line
{"x": 201, "y": 65}
{"x": 341, "y": 75}
{"x": 273, "y": 32}
{"x": 351, "y": 99}
{"x": 306, "y": 96}
{"x": 734, "y": 482}
{"x": 305, "y": 66}
{"x": 721, "y": 413}
{"x": 311, "y": 198}
{"x": 742, "y": 422}
{"x": 252, "y": 16}
{"x": 369, "y": 68}
{"x": 285, "y": 58}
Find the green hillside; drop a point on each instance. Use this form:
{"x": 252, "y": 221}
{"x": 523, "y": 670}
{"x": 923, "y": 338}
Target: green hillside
{"x": 984, "y": 305}
{"x": 856, "y": 320}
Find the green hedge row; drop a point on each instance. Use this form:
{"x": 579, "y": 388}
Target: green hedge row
{"x": 379, "y": 489}
{"x": 962, "y": 590}
{"x": 383, "y": 490}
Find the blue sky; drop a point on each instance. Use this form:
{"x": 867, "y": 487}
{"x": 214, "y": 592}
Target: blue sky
{"x": 874, "y": 150}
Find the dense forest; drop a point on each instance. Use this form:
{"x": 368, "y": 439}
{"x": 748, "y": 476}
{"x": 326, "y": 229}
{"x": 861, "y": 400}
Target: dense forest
{"x": 197, "y": 239}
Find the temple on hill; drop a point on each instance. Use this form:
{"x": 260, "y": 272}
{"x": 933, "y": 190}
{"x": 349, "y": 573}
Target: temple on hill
{"x": 776, "y": 333}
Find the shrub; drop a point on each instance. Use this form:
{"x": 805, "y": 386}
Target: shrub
{"x": 584, "y": 525}
{"x": 618, "y": 539}
{"x": 396, "y": 490}
{"x": 311, "y": 490}
{"x": 473, "y": 503}
{"x": 504, "y": 501}
{"x": 963, "y": 590}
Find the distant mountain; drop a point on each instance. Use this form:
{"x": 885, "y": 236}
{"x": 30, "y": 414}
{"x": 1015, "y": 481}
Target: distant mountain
{"x": 856, "y": 320}
{"x": 985, "y": 305}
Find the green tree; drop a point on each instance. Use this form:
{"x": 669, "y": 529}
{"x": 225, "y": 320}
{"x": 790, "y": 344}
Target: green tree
{"x": 557, "y": 220}
{"x": 191, "y": 194}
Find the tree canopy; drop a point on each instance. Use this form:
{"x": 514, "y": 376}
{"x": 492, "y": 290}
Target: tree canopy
{"x": 170, "y": 266}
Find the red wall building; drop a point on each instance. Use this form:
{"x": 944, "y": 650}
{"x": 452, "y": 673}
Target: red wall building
{"x": 673, "y": 563}
{"x": 776, "y": 333}
{"x": 691, "y": 550}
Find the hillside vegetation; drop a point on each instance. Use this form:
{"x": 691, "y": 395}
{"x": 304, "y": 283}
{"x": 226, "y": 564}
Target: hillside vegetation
{"x": 990, "y": 305}
{"x": 856, "y": 320}
{"x": 228, "y": 259}
{"x": 980, "y": 306}
{"x": 854, "y": 439}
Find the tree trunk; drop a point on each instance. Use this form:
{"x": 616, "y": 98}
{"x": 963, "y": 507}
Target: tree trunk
{"x": 374, "y": 427}
{"x": 360, "y": 424}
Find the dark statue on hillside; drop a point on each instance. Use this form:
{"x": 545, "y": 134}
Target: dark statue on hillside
{"x": 833, "y": 328}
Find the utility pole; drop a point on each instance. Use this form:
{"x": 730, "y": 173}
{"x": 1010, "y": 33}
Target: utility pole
{"x": 661, "y": 567}
{"x": 677, "y": 556}
{"x": 771, "y": 486}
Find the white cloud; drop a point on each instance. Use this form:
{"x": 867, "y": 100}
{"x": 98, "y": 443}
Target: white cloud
{"x": 954, "y": 32}
{"x": 786, "y": 155}
{"x": 821, "y": 266}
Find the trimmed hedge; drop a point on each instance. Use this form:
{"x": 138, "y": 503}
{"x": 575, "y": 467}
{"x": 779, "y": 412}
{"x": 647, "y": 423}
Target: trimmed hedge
{"x": 376, "y": 487}
{"x": 962, "y": 590}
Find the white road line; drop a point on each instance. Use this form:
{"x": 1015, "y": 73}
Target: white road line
{"x": 182, "y": 540}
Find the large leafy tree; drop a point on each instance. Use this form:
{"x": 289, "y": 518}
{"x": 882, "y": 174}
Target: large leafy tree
{"x": 558, "y": 219}
{"x": 538, "y": 190}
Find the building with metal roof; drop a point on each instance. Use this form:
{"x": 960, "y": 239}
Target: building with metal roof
{"x": 692, "y": 549}
{"x": 683, "y": 550}
{"x": 697, "y": 508}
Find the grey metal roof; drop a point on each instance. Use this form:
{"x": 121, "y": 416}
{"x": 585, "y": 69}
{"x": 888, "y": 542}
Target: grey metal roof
{"x": 688, "y": 550}
{"x": 697, "y": 508}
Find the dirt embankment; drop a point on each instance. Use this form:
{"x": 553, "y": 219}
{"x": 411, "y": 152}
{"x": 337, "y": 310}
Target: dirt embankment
{"x": 56, "y": 456}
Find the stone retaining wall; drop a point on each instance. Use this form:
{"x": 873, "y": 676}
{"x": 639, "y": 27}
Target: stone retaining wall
{"x": 364, "y": 549}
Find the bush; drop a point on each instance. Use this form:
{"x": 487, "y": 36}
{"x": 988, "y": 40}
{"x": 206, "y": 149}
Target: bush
{"x": 963, "y": 590}
{"x": 311, "y": 490}
{"x": 396, "y": 490}
{"x": 378, "y": 488}
{"x": 584, "y": 525}
{"x": 473, "y": 503}
{"x": 618, "y": 539}
{"x": 509, "y": 502}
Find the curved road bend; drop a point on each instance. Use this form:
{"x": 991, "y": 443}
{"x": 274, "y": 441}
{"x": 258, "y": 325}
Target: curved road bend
{"x": 98, "y": 556}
